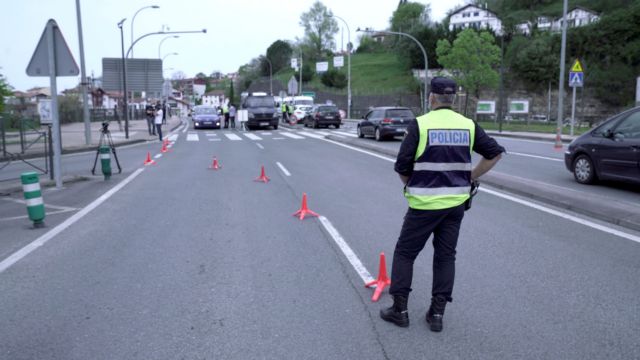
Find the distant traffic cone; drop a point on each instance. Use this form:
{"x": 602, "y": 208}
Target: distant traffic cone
{"x": 382, "y": 281}
{"x": 164, "y": 147}
{"x": 304, "y": 210}
{"x": 149, "y": 161}
{"x": 263, "y": 177}
{"x": 558, "y": 144}
{"x": 215, "y": 165}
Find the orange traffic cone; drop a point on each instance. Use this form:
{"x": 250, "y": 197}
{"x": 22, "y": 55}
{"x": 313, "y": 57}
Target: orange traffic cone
{"x": 304, "y": 210}
{"x": 382, "y": 281}
{"x": 263, "y": 177}
{"x": 149, "y": 161}
{"x": 215, "y": 165}
{"x": 558, "y": 145}
{"x": 164, "y": 147}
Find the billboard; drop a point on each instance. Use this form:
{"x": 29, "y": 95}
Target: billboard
{"x": 338, "y": 61}
{"x": 519, "y": 107}
{"x": 486, "y": 107}
{"x": 322, "y": 66}
{"x": 142, "y": 75}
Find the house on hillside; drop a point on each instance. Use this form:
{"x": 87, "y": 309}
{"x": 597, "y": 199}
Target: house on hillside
{"x": 476, "y": 17}
{"x": 213, "y": 98}
{"x": 577, "y": 17}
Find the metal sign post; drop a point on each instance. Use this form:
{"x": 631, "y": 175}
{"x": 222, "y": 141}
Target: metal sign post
{"x": 576, "y": 79}
{"x": 52, "y": 58}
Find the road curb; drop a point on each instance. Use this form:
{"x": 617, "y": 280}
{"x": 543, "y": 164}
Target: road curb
{"x": 16, "y": 187}
{"x": 595, "y": 206}
{"x": 527, "y": 137}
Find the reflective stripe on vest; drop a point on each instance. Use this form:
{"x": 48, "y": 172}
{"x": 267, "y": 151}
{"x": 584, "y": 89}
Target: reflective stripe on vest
{"x": 442, "y": 168}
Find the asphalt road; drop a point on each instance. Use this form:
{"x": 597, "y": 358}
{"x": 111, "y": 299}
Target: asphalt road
{"x": 187, "y": 262}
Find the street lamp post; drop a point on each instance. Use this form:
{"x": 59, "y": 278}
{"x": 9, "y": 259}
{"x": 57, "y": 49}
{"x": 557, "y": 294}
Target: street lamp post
{"x": 348, "y": 65}
{"x": 161, "y": 41}
{"x": 270, "y": 76}
{"x": 134, "y": 19}
{"x": 125, "y": 110}
{"x": 563, "y": 46}
{"x": 424, "y": 52}
{"x": 169, "y": 54}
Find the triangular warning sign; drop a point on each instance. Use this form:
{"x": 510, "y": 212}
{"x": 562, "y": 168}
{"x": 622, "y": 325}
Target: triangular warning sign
{"x": 577, "y": 67}
{"x": 65, "y": 64}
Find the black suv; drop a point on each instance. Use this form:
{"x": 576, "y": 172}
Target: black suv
{"x": 261, "y": 111}
{"x": 323, "y": 115}
{"x": 385, "y": 122}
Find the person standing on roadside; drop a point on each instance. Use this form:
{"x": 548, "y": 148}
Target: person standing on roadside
{"x": 158, "y": 119}
{"x": 225, "y": 113}
{"x": 434, "y": 164}
{"x": 150, "y": 112}
{"x": 164, "y": 113}
{"x": 284, "y": 110}
{"x": 232, "y": 115}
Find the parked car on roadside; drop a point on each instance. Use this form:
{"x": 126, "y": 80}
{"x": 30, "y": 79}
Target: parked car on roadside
{"x": 610, "y": 151}
{"x": 299, "y": 113}
{"x": 205, "y": 116}
{"x": 323, "y": 115}
{"x": 385, "y": 122}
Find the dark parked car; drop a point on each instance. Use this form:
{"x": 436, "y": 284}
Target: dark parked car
{"x": 385, "y": 122}
{"x": 323, "y": 115}
{"x": 610, "y": 151}
{"x": 205, "y": 116}
{"x": 261, "y": 111}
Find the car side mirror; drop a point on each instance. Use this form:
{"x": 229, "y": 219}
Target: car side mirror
{"x": 608, "y": 134}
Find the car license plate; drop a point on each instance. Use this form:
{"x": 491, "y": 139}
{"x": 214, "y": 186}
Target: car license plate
{"x": 264, "y": 123}
{"x": 329, "y": 117}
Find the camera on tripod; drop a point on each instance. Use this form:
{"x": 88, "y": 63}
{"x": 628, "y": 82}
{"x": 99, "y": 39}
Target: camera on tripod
{"x": 105, "y": 126}
{"x": 106, "y": 140}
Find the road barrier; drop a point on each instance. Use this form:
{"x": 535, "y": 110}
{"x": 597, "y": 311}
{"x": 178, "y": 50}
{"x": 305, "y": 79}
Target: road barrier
{"x": 105, "y": 161}
{"x": 33, "y": 198}
{"x": 382, "y": 281}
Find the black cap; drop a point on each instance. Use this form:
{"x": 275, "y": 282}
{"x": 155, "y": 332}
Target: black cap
{"x": 443, "y": 86}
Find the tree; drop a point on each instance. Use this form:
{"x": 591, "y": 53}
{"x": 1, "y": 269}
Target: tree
{"x": 201, "y": 75}
{"x": 319, "y": 29}
{"x": 334, "y": 78}
{"x": 307, "y": 72}
{"x": 279, "y": 53}
{"x": 535, "y": 59}
{"x": 472, "y": 58}
{"x": 5, "y": 90}
{"x": 230, "y": 93}
{"x": 409, "y": 16}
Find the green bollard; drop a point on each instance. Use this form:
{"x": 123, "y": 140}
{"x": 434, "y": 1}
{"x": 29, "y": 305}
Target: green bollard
{"x": 105, "y": 161}
{"x": 33, "y": 196}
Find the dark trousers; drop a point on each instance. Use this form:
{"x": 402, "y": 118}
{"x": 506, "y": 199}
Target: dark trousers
{"x": 226, "y": 120}
{"x": 159, "y": 127}
{"x": 150, "y": 125}
{"x": 417, "y": 227}
{"x": 233, "y": 121}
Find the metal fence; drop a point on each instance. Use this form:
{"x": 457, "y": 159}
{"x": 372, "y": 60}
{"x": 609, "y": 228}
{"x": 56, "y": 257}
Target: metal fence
{"x": 22, "y": 139}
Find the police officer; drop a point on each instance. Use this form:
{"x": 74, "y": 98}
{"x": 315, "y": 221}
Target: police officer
{"x": 283, "y": 107}
{"x": 434, "y": 163}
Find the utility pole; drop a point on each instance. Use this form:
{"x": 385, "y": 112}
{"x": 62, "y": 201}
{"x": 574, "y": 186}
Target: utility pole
{"x": 563, "y": 49}
{"x": 83, "y": 81}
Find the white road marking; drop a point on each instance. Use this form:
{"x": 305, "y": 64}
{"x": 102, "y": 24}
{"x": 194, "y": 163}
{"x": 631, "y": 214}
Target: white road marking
{"x": 27, "y": 216}
{"x": 265, "y": 133}
{"x": 548, "y": 142}
{"x": 345, "y": 133}
{"x": 322, "y": 133}
{"x": 20, "y": 254}
{"x": 311, "y": 135}
{"x": 284, "y": 170}
{"x": 576, "y": 219}
{"x": 23, "y": 202}
{"x": 158, "y": 156}
{"x": 278, "y": 138}
{"x": 193, "y": 137}
{"x": 186, "y": 127}
{"x": 534, "y": 156}
{"x": 216, "y": 139}
{"x": 211, "y": 134}
{"x": 252, "y": 136}
{"x": 173, "y": 137}
{"x": 346, "y": 250}
{"x": 260, "y": 146}
{"x": 233, "y": 137}
{"x": 293, "y": 136}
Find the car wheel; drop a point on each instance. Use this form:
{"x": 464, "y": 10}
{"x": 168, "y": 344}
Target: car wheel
{"x": 315, "y": 125}
{"x": 359, "y": 131}
{"x": 377, "y": 135}
{"x": 338, "y": 126}
{"x": 583, "y": 170}
{"x": 275, "y": 127}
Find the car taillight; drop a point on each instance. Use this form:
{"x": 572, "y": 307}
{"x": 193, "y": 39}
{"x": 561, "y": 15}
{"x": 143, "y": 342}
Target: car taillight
{"x": 387, "y": 121}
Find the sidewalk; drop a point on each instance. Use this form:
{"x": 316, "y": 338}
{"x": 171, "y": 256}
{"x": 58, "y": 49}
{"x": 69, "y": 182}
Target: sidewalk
{"x": 73, "y": 137}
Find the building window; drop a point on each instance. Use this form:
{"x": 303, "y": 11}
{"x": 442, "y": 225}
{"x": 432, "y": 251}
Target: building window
{"x": 476, "y": 13}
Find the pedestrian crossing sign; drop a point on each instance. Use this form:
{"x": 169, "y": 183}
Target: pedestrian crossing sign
{"x": 576, "y": 79}
{"x": 577, "y": 67}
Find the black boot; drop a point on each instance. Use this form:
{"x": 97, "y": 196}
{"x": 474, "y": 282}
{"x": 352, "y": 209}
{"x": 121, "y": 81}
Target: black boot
{"x": 436, "y": 312}
{"x": 397, "y": 313}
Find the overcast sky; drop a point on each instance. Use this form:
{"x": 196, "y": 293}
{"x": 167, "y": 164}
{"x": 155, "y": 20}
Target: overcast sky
{"x": 237, "y": 30}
